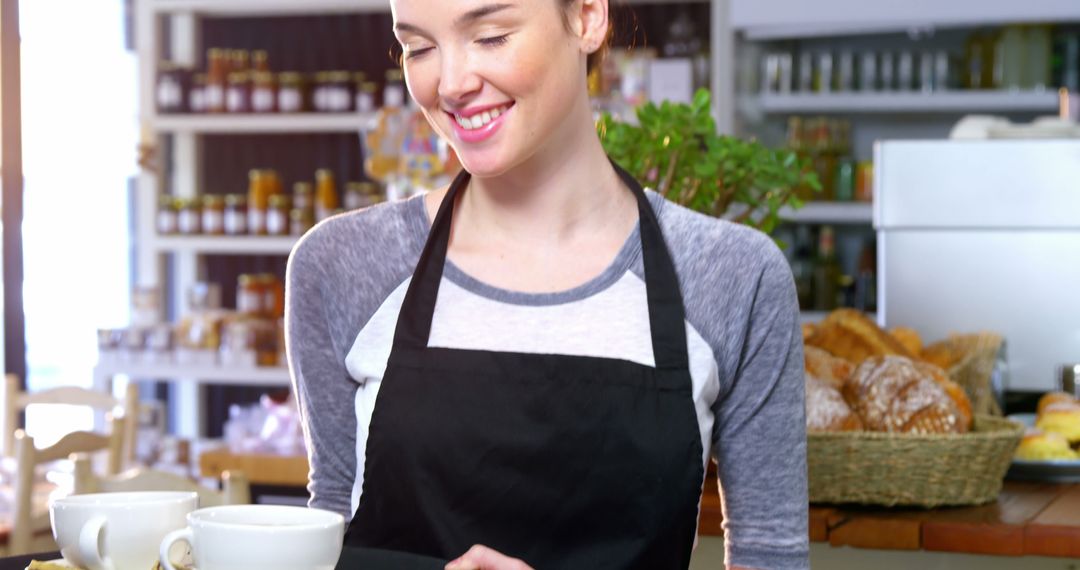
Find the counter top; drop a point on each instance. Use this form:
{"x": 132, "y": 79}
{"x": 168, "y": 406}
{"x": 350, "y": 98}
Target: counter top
{"x": 1027, "y": 519}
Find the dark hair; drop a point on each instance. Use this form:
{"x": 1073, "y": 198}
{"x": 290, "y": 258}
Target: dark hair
{"x": 596, "y": 57}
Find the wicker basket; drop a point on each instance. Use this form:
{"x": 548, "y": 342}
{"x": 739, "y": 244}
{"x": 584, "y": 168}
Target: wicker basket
{"x": 889, "y": 469}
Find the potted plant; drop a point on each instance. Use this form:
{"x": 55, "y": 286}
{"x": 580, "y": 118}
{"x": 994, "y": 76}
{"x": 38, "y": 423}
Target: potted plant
{"x": 676, "y": 150}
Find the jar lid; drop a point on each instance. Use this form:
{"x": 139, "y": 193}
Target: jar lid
{"x": 213, "y": 200}
{"x": 235, "y": 200}
{"x": 290, "y": 77}
{"x": 279, "y": 201}
{"x": 239, "y": 77}
{"x": 324, "y": 174}
{"x": 303, "y": 188}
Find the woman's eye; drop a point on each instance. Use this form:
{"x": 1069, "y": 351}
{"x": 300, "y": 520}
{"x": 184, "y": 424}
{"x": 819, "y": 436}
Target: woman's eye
{"x": 413, "y": 53}
{"x": 493, "y": 41}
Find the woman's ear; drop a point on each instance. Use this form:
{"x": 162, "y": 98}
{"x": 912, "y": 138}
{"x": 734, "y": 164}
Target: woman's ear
{"x": 589, "y": 20}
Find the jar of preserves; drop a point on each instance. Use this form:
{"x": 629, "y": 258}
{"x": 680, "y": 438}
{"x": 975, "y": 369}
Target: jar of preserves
{"x": 257, "y": 202}
{"x": 300, "y": 221}
{"x": 263, "y": 92}
{"x": 290, "y": 94}
{"x": 236, "y": 215}
{"x": 213, "y": 215}
{"x": 189, "y": 218}
{"x": 273, "y": 292}
{"x": 365, "y": 97}
{"x": 249, "y": 295}
{"x": 260, "y": 61}
{"x": 238, "y": 94}
{"x": 277, "y": 215}
{"x": 340, "y": 92}
{"x": 304, "y": 196}
{"x": 238, "y": 60}
{"x": 320, "y": 92}
{"x": 360, "y": 195}
{"x": 217, "y": 77}
{"x": 169, "y": 90}
{"x": 197, "y": 94}
{"x": 167, "y": 215}
{"x": 326, "y": 198}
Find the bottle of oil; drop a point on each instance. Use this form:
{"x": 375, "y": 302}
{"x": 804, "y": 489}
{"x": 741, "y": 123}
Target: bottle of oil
{"x": 826, "y": 272}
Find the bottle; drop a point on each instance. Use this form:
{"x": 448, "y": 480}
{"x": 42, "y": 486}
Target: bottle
{"x": 277, "y": 215}
{"x": 213, "y": 214}
{"x": 217, "y": 77}
{"x": 290, "y": 94}
{"x": 802, "y": 268}
{"x": 326, "y": 198}
{"x": 263, "y": 92}
{"x": 168, "y": 215}
{"x": 383, "y": 143}
{"x": 238, "y": 94}
{"x": 236, "y": 215}
{"x": 826, "y": 272}
{"x": 258, "y": 201}
{"x": 260, "y": 61}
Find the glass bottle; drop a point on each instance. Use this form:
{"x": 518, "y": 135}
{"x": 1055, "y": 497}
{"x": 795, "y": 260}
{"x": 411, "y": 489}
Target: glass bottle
{"x": 217, "y": 77}
{"x": 260, "y": 61}
{"x": 238, "y": 94}
{"x": 326, "y": 197}
{"x": 257, "y": 202}
{"x": 383, "y": 143}
{"x": 304, "y": 196}
{"x": 300, "y": 221}
{"x": 277, "y": 215}
{"x": 826, "y": 272}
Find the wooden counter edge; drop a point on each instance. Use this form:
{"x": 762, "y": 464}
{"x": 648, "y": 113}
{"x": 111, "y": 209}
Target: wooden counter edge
{"x": 260, "y": 469}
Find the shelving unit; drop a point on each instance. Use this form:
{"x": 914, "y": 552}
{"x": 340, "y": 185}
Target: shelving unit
{"x": 241, "y": 8}
{"x": 223, "y": 245}
{"x": 951, "y": 102}
{"x": 262, "y": 124}
{"x": 254, "y": 376}
{"x": 830, "y": 213}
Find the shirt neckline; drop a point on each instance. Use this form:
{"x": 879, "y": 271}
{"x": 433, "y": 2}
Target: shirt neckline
{"x": 628, "y": 254}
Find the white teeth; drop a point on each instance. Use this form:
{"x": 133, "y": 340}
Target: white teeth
{"x": 480, "y": 119}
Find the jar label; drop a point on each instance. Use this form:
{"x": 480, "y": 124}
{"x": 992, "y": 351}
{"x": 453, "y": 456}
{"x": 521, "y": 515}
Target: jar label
{"x": 166, "y": 222}
{"x": 290, "y": 101}
{"x": 277, "y": 223}
{"x": 236, "y": 102}
{"x": 365, "y": 103}
{"x": 262, "y": 101}
{"x": 256, "y": 221}
{"x": 235, "y": 222}
{"x": 214, "y": 97}
{"x": 188, "y": 222}
{"x": 213, "y": 222}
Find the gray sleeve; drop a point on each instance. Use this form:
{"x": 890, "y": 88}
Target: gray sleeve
{"x": 322, "y": 386}
{"x": 760, "y": 432}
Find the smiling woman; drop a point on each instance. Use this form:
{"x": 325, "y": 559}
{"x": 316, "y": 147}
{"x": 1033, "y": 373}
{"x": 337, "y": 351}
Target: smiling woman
{"x": 540, "y": 358}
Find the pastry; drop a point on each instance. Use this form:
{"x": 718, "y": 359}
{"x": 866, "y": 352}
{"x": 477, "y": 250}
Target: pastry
{"x": 827, "y": 367}
{"x": 1054, "y": 398}
{"x": 908, "y": 337}
{"x": 892, "y": 394}
{"x": 954, "y": 390}
{"x": 942, "y": 354}
{"x": 851, "y": 335}
{"x": 826, "y": 409}
{"x": 1038, "y": 445}
{"x": 808, "y": 330}
{"x": 1063, "y": 418}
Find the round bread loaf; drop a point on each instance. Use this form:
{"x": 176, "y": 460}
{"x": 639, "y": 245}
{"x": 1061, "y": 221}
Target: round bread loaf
{"x": 1063, "y": 418}
{"x": 893, "y": 394}
{"x": 827, "y": 367}
{"x": 1055, "y": 398}
{"x": 826, "y": 409}
{"x": 1038, "y": 445}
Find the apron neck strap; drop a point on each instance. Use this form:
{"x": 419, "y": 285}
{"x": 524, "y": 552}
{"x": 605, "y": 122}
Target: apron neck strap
{"x": 666, "y": 313}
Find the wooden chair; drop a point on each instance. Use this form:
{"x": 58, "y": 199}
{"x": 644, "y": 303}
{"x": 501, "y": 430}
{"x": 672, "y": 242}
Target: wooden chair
{"x": 236, "y": 489}
{"x": 15, "y": 400}
{"x": 30, "y": 528}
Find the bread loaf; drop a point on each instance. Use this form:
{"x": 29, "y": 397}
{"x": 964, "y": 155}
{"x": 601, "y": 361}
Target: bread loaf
{"x": 1055, "y": 398}
{"x": 1063, "y": 418}
{"x": 826, "y": 409}
{"x": 1038, "y": 445}
{"x": 892, "y": 394}
{"x": 908, "y": 337}
{"x": 827, "y": 367}
{"x": 851, "y": 335}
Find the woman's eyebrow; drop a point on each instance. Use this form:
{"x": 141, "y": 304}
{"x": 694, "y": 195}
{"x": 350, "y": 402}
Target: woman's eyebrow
{"x": 461, "y": 21}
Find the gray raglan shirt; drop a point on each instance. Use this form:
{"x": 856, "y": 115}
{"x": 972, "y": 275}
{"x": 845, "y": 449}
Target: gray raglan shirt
{"x": 347, "y": 277}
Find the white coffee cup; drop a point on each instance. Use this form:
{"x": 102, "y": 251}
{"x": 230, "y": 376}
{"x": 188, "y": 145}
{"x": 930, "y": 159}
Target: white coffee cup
{"x": 117, "y": 531}
{"x": 260, "y": 537}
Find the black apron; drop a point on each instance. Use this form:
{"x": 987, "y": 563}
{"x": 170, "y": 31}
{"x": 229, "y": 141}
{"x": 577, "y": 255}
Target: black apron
{"x": 562, "y": 461}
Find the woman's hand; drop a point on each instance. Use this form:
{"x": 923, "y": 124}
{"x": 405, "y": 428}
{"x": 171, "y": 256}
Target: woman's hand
{"x": 484, "y": 558}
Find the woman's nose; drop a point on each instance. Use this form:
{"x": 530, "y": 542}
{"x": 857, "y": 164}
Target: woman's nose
{"x": 458, "y": 81}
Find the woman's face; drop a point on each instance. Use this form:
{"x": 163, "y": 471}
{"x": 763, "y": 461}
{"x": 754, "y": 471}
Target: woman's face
{"x": 498, "y": 79}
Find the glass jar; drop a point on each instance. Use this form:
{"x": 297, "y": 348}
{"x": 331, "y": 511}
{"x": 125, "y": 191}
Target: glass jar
{"x": 326, "y": 198}
{"x": 361, "y": 195}
{"x": 263, "y": 92}
{"x": 277, "y": 215}
{"x": 213, "y": 215}
{"x": 273, "y": 292}
{"x": 257, "y": 202}
{"x": 169, "y": 90}
{"x": 290, "y": 92}
{"x": 320, "y": 92}
{"x": 304, "y": 196}
{"x": 189, "y": 218}
{"x": 340, "y": 93}
{"x": 365, "y": 97}
{"x": 249, "y": 295}
{"x": 167, "y": 216}
{"x": 260, "y": 61}
{"x": 236, "y": 215}
{"x": 238, "y": 94}
{"x": 216, "y": 80}
{"x": 197, "y": 94}
{"x": 300, "y": 221}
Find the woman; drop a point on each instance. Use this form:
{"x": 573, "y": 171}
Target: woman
{"x": 557, "y": 354}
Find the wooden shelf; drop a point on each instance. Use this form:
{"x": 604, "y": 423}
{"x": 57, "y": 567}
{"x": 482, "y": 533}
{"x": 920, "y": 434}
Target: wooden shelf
{"x": 852, "y": 213}
{"x": 268, "y": 123}
{"x": 255, "y": 376}
{"x": 225, "y": 245}
{"x": 260, "y": 469}
{"x": 908, "y": 102}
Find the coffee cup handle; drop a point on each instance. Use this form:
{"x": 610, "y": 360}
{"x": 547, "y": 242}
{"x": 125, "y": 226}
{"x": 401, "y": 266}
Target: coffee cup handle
{"x": 173, "y": 537}
{"x": 89, "y": 542}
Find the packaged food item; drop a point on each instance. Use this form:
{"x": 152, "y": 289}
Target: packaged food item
{"x": 236, "y": 215}
{"x": 213, "y": 215}
{"x": 300, "y": 221}
{"x": 277, "y": 215}
{"x": 238, "y": 93}
{"x": 383, "y": 143}
{"x": 361, "y": 195}
{"x": 189, "y": 218}
{"x": 290, "y": 93}
{"x": 216, "y": 81}
{"x": 258, "y": 200}
{"x": 168, "y": 215}
{"x": 263, "y": 92}
{"x": 326, "y": 197}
